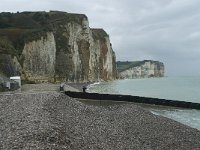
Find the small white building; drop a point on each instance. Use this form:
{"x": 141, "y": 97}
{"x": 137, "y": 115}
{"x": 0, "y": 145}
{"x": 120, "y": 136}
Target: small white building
{"x": 16, "y": 79}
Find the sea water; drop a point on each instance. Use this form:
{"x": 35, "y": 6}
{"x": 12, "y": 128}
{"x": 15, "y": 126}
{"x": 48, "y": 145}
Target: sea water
{"x": 171, "y": 88}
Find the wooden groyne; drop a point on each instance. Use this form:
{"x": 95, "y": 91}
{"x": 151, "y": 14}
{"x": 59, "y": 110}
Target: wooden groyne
{"x": 136, "y": 99}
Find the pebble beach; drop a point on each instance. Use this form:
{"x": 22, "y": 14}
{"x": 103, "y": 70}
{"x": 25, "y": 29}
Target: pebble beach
{"x": 41, "y": 117}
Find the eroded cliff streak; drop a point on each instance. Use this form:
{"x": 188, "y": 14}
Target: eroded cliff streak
{"x": 104, "y": 54}
{"x": 59, "y": 46}
{"x": 140, "y": 69}
{"x": 39, "y": 59}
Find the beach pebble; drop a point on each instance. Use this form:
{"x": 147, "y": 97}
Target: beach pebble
{"x": 47, "y": 119}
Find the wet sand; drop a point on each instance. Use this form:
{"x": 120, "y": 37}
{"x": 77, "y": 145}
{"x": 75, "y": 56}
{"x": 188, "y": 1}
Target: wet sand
{"x": 43, "y": 118}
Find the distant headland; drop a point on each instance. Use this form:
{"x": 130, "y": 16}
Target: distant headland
{"x": 140, "y": 69}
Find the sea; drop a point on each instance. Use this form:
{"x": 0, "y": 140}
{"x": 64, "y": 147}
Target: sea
{"x": 171, "y": 88}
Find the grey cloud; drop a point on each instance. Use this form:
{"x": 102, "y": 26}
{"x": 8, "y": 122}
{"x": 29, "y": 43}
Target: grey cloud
{"x": 165, "y": 30}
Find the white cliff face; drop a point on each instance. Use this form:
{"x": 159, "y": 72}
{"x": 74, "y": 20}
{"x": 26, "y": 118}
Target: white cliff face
{"x": 78, "y": 39}
{"x": 101, "y": 60}
{"x": 82, "y": 57}
{"x": 148, "y": 69}
{"x": 92, "y": 58}
{"x": 94, "y": 68}
{"x": 108, "y": 65}
{"x": 39, "y": 59}
{"x": 74, "y": 34}
{"x": 102, "y": 57}
{"x": 69, "y": 50}
{"x": 145, "y": 70}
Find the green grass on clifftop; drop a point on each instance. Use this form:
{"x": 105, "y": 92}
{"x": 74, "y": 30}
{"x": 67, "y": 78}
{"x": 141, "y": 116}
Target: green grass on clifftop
{"x": 20, "y": 28}
{"x": 124, "y": 65}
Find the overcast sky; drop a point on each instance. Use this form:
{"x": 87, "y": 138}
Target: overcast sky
{"x": 163, "y": 30}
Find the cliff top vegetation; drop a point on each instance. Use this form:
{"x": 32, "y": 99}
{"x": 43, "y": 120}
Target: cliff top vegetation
{"x": 99, "y": 33}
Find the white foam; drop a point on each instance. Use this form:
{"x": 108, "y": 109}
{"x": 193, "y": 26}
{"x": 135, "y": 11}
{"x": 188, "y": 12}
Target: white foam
{"x": 92, "y": 85}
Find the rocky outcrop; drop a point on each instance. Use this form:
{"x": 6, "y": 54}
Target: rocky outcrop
{"x": 140, "y": 69}
{"x": 57, "y": 46}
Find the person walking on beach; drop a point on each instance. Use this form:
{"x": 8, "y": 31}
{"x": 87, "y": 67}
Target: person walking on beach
{"x": 84, "y": 89}
{"x": 62, "y": 86}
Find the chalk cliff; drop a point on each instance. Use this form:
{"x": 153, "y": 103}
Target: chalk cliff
{"x": 140, "y": 69}
{"x": 54, "y": 46}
